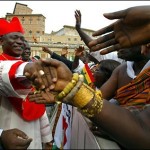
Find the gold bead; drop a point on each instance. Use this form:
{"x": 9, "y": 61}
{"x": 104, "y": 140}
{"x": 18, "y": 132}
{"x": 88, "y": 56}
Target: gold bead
{"x": 58, "y": 102}
{"x": 73, "y": 81}
{"x": 75, "y": 77}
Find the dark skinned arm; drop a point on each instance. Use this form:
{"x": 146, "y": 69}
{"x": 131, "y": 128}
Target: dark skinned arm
{"x": 109, "y": 88}
{"x": 86, "y": 38}
{"x": 128, "y": 129}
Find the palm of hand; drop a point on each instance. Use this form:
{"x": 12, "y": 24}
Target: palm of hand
{"x": 45, "y": 49}
{"x": 132, "y": 26}
{"x": 79, "y": 53}
{"x": 127, "y": 35}
{"x": 64, "y": 52}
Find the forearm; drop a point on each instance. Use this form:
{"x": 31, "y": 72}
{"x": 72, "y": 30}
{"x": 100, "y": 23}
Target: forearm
{"x": 75, "y": 63}
{"x": 122, "y": 126}
{"x": 128, "y": 129}
{"x": 86, "y": 38}
{"x": 62, "y": 59}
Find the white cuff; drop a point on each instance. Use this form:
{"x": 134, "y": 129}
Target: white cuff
{"x": 19, "y": 72}
{"x": 1, "y": 130}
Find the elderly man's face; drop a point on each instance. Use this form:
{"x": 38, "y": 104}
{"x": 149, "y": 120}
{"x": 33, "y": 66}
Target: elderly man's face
{"x": 13, "y": 44}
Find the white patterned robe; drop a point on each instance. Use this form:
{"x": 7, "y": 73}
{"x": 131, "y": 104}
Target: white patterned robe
{"x": 39, "y": 130}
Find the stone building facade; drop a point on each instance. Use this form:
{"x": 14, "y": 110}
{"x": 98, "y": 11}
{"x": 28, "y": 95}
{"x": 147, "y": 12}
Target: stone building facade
{"x": 34, "y": 26}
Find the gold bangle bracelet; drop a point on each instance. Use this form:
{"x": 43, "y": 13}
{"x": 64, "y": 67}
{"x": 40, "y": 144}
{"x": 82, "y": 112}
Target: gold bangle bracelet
{"x": 68, "y": 87}
{"x": 80, "y": 99}
{"x": 72, "y": 93}
{"x": 94, "y": 108}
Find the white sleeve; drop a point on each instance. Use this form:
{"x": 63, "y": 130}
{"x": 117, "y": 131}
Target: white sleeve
{"x": 1, "y": 130}
{"x": 19, "y": 72}
{"x": 80, "y": 67}
{"x": 45, "y": 129}
{"x": 6, "y": 88}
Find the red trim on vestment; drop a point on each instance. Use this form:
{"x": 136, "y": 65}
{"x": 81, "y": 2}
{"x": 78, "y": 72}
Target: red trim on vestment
{"x": 29, "y": 111}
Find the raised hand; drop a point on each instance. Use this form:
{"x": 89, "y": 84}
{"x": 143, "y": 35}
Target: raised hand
{"x": 15, "y": 139}
{"x": 131, "y": 29}
{"x": 46, "y": 50}
{"x": 79, "y": 51}
{"x": 78, "y": 19}
{"x": 64, "y": 52}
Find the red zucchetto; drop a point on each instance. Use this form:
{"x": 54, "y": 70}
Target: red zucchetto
{"x": 13, "y": 26}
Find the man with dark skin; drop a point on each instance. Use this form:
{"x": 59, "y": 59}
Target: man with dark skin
{"x": 87, "y": 39}
{"x": 26, "y": 52}
{"x": 120, "y": 77}
{"x": 15, "y": 138}
{"x": 72, "y": 65}
{"x": 17, "y": 109}
{"x": 133, "y": 131}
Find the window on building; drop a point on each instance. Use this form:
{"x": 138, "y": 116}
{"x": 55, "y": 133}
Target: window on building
{"x": 30, "y": 20}
{"x": 37, "y": 33}
{"x": 75, "y": 39}
{"x": 23, "y": 20}
{"x": 30, "y": 32}
{"x": 69, "y": 39}
{"x": 38, "y": 19}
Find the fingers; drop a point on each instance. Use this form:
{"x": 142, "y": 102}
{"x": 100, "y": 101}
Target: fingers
{"x": 23, "y": 144}
{"x": 20, "y": 134}
{"x": 50, "y": 62}
{"x": 47, "y": 77}
{"x": 115, "y": 15}
{"x": 50, "y": 72}
{"x": 104, "y": 45}
{"x": 110, "y": 49}
{"x": 33, "y": 73}
{"x": 104, "y": 30}
{"x": 23, "y": 141}
{"x": 43, "y": 97}
{"x": 77, "y": 13}
{"x": 33, "y": 97}
{"x": 102, "y": 42}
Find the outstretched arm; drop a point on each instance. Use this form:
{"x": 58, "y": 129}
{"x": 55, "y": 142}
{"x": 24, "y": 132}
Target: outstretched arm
{"x": 58, "y": 57}
{"x": 78, "y": 53}
{"x": 86, "y": 38}
{"x": 131, "y": 131}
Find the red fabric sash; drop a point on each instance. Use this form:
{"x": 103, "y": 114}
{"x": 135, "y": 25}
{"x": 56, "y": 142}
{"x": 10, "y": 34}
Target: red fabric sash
{"x": 29, "y": 111}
